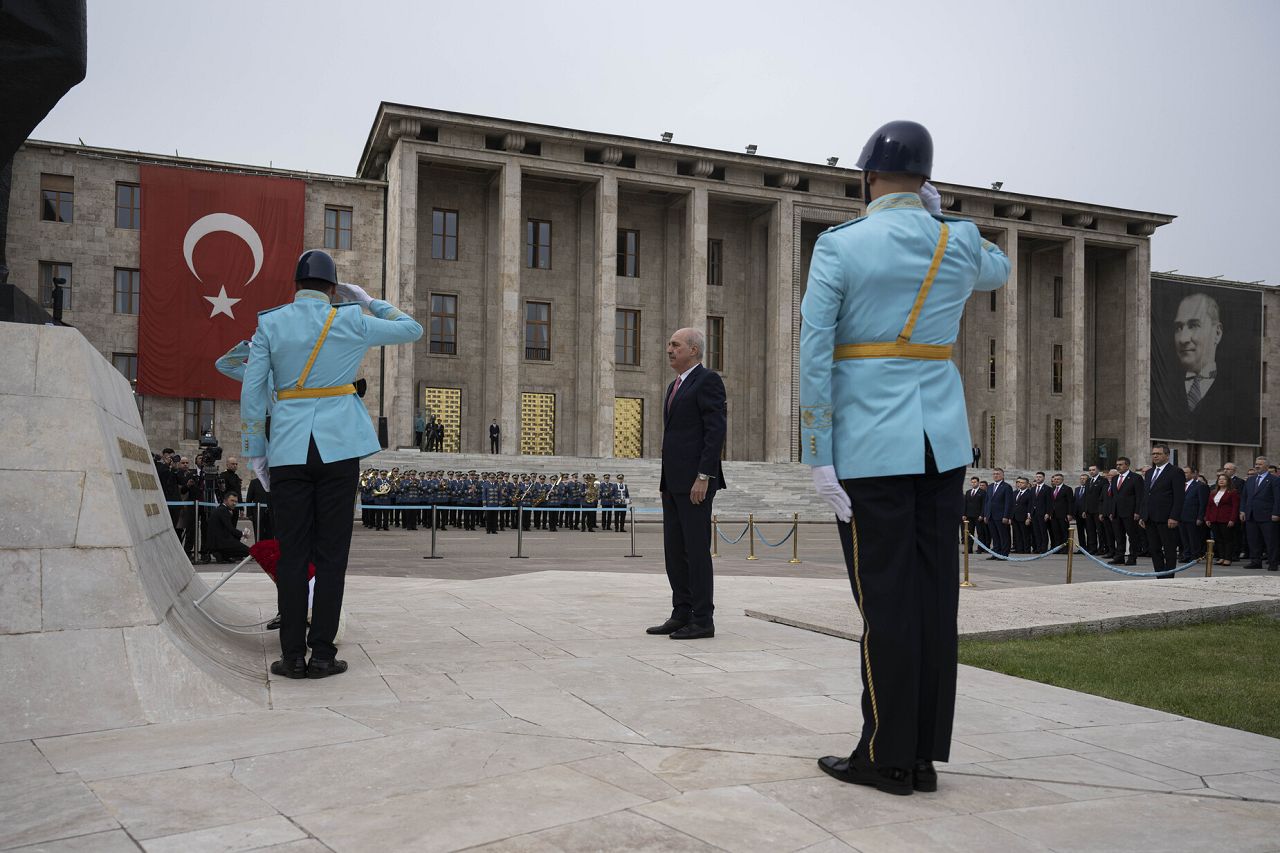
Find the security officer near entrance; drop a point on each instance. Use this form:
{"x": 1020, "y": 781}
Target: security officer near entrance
{"x": 883, "y": 424}
{"x": 310, "y": 351}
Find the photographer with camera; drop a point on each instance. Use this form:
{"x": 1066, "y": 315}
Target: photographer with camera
{"x": 224, "y": 536}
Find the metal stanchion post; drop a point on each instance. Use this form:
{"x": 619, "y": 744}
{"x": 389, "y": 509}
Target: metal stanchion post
{"x": 965, "y": 583}
{"x": 432, "y": 555}
{"x": 751, "y": 536}
{"x": 795, "y": 538}
{"x": 715, "y": 536}
{"x": 1071, "y": 551}
{"x": 1208, "y": 559}
{"x": 257, "y": 524}
{"x": 633, "y": 535}
{"x": 519, "y": 554}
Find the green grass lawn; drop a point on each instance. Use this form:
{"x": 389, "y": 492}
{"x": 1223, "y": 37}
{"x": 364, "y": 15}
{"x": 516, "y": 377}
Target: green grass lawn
{"x": 1220, "y": 672}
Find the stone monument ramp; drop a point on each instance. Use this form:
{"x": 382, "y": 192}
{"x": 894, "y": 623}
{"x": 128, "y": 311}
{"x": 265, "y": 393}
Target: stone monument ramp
{"x": 97, "y": 626}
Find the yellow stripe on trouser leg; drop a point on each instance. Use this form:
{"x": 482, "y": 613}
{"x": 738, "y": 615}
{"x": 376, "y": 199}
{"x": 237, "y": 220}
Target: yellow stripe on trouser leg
{"x": 866, "y": 645}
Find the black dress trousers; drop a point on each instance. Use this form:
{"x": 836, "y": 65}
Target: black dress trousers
{"x": 313, "y": 506}
{"x": 686, "y": 540}
{"x": 903, "y": 565}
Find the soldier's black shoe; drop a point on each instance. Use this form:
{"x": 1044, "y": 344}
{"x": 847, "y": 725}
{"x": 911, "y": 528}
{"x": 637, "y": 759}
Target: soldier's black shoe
{"x": 924, "y": 777}
{"x": 295, "y": 668}
{"x": 891, "y": 780}
{"x": 325, "y": 668}
{"x": 667, "y": 627}
{"x": 694, "y": 631}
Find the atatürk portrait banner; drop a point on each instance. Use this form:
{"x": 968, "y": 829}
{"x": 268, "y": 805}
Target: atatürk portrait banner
{"x": 1206, "y": 363}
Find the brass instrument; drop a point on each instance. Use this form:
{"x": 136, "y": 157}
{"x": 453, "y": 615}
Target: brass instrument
{"x": 382, "y": 489}
{"x": 593, "y": 492}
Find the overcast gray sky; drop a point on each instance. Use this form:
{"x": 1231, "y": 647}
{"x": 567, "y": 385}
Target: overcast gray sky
{"x": 1168, "y": 106}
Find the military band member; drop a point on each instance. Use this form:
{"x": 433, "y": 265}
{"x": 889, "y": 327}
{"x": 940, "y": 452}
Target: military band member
{"x": 608, "y": 496}
{"x": 409, "y": 495}
{"x": 320, "y": 430}
{"x": 624, "y": 500}
{"x": 590, "y": 499}
{"x": 883, "y": 423}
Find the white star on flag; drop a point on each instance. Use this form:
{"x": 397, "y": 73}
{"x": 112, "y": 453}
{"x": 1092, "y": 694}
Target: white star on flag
{"x": 221, "y": 304}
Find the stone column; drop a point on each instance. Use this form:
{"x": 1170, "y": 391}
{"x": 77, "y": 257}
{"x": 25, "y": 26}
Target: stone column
{"x": 605, "y": 291}
{"x": 782, "y": 389}
{"x": 1137, "y": 428}
{"x": 693, "y": 291}
{"x": 401, "y": 284}
{"x": 510, "y": 311}
{"x": 1076, "y": 352}
{"x": 1009, "y": 351}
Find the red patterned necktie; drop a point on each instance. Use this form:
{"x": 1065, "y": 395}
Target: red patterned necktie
{"x": 674, "y": 389}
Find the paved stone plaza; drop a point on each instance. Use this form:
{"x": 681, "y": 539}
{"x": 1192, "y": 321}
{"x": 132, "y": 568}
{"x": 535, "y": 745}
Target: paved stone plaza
{"x": 530, "y": 712}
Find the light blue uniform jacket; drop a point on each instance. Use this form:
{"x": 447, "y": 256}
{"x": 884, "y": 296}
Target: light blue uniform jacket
{"x": 868, "y": 417}
{"x": 234, "y": 363}
{"x": 281, "y": 345}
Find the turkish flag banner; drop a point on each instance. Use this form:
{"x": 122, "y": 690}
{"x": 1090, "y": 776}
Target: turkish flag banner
{"x": 216, "y": 249}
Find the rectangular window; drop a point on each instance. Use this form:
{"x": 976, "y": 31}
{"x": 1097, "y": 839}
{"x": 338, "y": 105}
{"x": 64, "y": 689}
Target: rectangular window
{"x": 1057, "y": 443}
{"x": 715, "y": 343}
{"x": 993, "y": 300}
{"x": 55, "y": 198}
{"x": 628, "y": 253}
{"x": 715, "y": 263}
{"x": 128, "y": 291}
{"x": 128, "y": 206}
{"x": 197, "y": 418}
{"x": 626, "y": 339}
{"x": 127, "y": 364}
{"x": 49, "y": 270}
{"x": 537, "y": 240}
{"x": 1057, "y": 368}
{"x": 1057, "y": 297}
{"x": 444, "y": 234}
{"x": 444, "y": 324}
{"x": 991, "y": 363}
{"x": 537, "y": 331}
{"x": 337, "y": 227}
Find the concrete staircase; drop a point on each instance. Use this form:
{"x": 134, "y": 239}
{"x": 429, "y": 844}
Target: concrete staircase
{"x": 771, "y": 490}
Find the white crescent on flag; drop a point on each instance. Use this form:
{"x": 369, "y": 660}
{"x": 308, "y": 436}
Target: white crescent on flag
{"x": 230, "y": 223}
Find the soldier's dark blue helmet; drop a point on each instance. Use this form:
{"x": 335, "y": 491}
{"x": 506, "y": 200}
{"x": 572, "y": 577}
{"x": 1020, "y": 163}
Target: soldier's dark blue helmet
{"x": 899, "y": 146}
{"x": 318, "y": 265}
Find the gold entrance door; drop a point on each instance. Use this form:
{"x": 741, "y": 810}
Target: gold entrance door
{"x": 628, "y": 427}
{"x": 446, "y": 405}
{"x": 537, "y": 424}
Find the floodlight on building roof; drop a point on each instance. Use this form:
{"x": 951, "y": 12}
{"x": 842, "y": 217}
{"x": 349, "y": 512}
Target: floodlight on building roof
{"x": 751, "y": 149}
{"x": 666, "y": 137}
{"x": 995, "y": 185}
{"x": 831, "y": 161}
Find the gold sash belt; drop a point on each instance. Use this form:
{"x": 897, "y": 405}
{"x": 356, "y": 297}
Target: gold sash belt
{"x": 311, "y": 393}
{"x": 927, "y": 352}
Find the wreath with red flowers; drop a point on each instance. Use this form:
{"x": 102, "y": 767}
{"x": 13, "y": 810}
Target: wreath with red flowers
{"x": 266, "y": 554}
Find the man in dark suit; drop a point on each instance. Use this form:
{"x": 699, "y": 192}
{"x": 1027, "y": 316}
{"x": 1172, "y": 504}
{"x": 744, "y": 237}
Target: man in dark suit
{"x": 1021, "y": 517}
{"x": 996, "y": 513}
{"x": 1238, "y": 483}
{"x": 692, "y": 438}
{"x": 1061, "y": 505}
{"x": 973, "y": 501}
{"x": 1039, "y": 514}
{"x": 1161, "y": 508}
{"x": 1127, "y": 489}
{"x": 224, "y": 536}
{"x": 1092, "y": 510}
{"x": 1077, "y": 510}
{"x": 1259, "y": 510}
{"x": 1195, "y": 497}
{"x": 495, "y": 436}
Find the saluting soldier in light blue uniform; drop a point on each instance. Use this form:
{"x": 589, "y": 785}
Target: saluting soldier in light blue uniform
{"x": 307, "y": 353}
{"x": 883, "y": 424}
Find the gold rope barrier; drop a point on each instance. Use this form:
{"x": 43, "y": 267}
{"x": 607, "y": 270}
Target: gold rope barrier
{"x": 795, "y": 538}
{"x": 965, "y": 583}
{"x": 715, "y": 537}
{"x": 751, "y": 535}
{"x": 1071, "y": 550}
{"x": 1208, "y": 559}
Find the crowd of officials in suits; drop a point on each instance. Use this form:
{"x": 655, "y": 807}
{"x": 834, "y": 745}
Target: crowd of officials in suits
{"x": 1123, "y": 514}
{"x": 535, "y": 501}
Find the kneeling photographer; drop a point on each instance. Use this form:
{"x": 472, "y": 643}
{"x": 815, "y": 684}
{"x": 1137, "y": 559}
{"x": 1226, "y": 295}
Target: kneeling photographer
{"x": 224, "y": 536}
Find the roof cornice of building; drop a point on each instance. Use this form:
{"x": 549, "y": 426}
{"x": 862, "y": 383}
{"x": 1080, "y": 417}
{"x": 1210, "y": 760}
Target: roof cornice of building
{"x": 98, "y": 153}
{"x": 385, "y": 132}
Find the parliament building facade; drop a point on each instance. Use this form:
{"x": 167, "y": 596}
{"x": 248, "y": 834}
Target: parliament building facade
{"x": 549, "y": 266}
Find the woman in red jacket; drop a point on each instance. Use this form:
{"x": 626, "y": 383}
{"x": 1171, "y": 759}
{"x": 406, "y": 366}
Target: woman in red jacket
{"x": 1223, "y": 512}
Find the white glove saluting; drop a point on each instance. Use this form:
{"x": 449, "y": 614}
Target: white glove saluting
{"x": 353, "y": 293}
{"x": 931, "y": 197}
{"x": 258, "y": 465}
{"x": 829, "y": 489}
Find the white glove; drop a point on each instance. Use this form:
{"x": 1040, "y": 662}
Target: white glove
{"x": 258, "y": 465}
{"x": 931, "y": 198}
{"x": 829, "y": 489}
{"x": 353, "y": 293}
